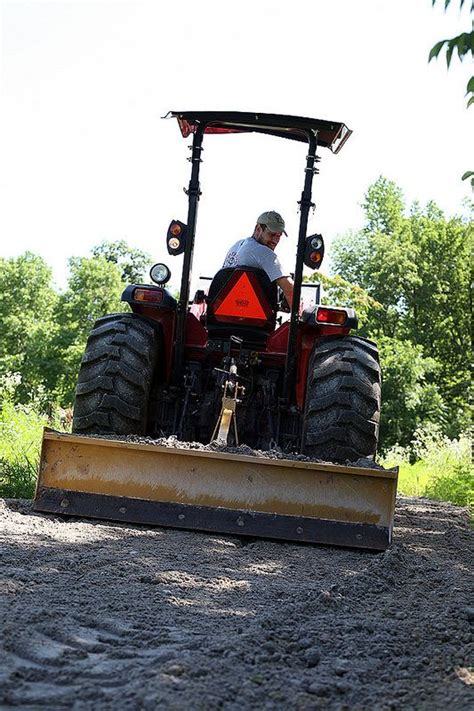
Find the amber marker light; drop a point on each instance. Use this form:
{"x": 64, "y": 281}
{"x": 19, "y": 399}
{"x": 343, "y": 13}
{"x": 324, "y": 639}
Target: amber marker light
{"x": 148, "y": 295}
{"x": 176, "y": 229}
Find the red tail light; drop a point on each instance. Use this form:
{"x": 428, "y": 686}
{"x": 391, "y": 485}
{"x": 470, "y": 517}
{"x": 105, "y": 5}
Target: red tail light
{"x": 324, "y": 315}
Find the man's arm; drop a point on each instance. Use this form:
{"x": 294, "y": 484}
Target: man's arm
{"x": 286, "y": 285}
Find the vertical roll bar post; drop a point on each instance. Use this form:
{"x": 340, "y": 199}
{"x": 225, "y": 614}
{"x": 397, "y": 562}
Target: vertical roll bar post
{"x": 305, "y": 205}
{"x": 194, "y": 193}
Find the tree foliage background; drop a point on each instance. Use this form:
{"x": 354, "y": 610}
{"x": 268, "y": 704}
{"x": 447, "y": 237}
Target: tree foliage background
{"x": 407, "y": 274}
{"x": 44, "y": 332}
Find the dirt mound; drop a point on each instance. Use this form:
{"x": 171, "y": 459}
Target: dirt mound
{"x": 219, "y": 446}
{"x": 111, "y": 616}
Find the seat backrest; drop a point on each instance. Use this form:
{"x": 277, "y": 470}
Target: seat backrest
{"x": 242, "y": 301}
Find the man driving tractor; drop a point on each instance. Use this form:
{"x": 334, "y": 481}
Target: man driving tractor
{"x": 258, "y": 251}
{"x": 312, "y": 388}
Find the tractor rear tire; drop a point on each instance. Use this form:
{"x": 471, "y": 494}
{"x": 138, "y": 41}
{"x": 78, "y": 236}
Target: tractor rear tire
{"x": 342, "y": 412}
{"x": 116, "y": 376}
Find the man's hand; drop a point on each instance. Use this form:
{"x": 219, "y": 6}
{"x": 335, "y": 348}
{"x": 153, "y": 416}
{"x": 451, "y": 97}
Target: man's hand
{"x": 286, "y": 285}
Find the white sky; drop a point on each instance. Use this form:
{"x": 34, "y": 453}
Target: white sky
{"x": 84, "y": 155}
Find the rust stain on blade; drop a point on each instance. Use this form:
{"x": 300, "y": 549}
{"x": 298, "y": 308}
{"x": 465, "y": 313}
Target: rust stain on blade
{"x": 137, "y": 490}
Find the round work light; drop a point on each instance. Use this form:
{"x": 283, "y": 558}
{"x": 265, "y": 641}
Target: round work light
{"x": 160, "y": 274}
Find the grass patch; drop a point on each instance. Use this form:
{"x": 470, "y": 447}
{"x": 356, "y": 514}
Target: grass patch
{"x": 21, "y": 430}
{"x": 455, "y": 484}
{"x": 443, "y": 470}
{"x": 18, "y": 478}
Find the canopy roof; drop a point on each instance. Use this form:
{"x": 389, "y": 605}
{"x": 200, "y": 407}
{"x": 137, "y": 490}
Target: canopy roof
{"x": 331, "y": 134}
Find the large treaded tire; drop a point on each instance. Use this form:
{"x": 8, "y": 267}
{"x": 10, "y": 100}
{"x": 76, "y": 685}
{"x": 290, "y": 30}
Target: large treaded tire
{"x": 116, "y": 376}
{"x": 342, "y": 411}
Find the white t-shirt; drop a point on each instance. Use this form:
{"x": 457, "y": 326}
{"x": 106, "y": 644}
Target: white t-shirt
{"x": 250, "y": 253}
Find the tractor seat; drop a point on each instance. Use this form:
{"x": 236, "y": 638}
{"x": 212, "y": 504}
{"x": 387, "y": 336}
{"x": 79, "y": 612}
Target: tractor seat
{"x": 242, "y": 302}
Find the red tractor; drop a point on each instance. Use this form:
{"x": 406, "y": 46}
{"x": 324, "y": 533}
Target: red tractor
{"x": 306, "y": 385}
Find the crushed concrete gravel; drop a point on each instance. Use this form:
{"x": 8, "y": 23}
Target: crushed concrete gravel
{"x": 98, "y": 615}
{"x": 219, "y": 446}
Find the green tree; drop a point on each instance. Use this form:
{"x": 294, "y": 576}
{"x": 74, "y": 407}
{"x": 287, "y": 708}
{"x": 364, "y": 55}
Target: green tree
{"x": 384, "y": 206}
{"x": 132, "y": 262}
{"x": 410, "y": 397}
{"x": 27, "y": 303}
{"x": 416, "y": 268}
{"x": 381, "y": 258}
{"x": 439, "y": 308}
{"x": 94, "y": 289}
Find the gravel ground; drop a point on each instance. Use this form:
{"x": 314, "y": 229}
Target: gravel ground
{"x": 110, "y": 616}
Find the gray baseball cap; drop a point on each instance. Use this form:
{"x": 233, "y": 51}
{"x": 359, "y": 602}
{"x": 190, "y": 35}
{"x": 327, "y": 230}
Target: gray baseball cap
{"x": 273, "y": 220}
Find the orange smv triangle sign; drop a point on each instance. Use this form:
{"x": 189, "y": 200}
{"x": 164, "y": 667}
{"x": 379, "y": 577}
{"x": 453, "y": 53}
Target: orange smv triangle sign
{"x": 241, "y": 301}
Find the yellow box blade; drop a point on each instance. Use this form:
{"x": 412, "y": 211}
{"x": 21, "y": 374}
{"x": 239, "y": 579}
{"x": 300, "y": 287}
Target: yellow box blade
{"x": 216, "y": 491}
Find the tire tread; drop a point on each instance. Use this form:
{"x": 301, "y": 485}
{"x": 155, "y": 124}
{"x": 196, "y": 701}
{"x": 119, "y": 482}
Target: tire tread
{"x": 116, "y": 375}
{"x": 342, "y": 412}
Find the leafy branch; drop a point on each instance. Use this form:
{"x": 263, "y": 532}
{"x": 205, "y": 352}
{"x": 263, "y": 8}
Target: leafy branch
{"x": 464, "y": 44}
